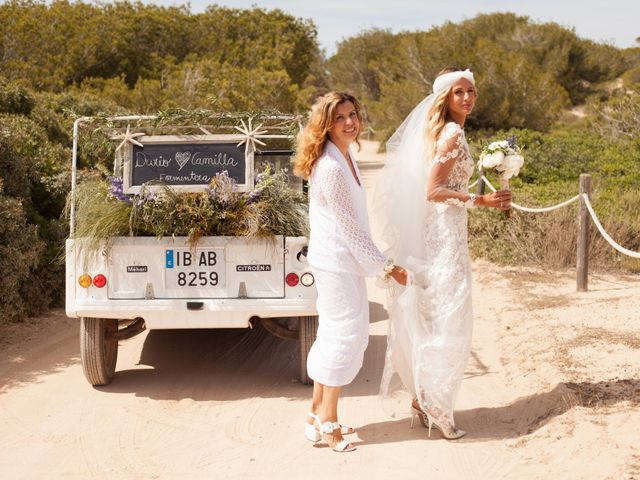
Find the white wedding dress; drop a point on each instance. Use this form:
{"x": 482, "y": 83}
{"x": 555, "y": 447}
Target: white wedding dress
{"x": 431, "y": 320}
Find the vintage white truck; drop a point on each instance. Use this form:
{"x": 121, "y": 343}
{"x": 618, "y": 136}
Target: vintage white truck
{"x": 133, "y": 283}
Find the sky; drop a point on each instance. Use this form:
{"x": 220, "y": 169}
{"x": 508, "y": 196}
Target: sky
{"x": 612, "y": 21}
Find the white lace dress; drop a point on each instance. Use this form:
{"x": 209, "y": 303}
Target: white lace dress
{"x": 341, "y": 254}
{"x": 432, "y": 320}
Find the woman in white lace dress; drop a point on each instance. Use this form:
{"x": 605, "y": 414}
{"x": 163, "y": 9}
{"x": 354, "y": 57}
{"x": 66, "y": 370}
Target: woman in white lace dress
{"x": 429, "y": 166}
{"x": 341, "y": 254}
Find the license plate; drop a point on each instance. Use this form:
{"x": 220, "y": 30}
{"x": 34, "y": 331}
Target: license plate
{"x": 201, "y": 268}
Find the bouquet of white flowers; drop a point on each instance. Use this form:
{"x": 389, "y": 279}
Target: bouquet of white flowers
{"x": 504, "y": 157}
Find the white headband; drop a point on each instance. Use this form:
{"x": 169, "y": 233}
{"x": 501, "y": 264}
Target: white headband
{"x": 446, "y": 80}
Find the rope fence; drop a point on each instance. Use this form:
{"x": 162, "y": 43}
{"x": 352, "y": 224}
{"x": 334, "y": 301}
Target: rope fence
{"x": 534, "y": 210}
{"x": 603, "y": 232}
{"x": 585, "y": 210}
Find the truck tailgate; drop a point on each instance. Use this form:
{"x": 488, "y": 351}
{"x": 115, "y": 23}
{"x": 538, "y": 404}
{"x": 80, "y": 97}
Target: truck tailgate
{"x": 218, "y": 267}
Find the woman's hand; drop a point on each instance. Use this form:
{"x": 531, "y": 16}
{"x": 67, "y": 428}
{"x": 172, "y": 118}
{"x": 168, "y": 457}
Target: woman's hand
{"x": 500, "y": 200}
{"x": 399, "y": 274}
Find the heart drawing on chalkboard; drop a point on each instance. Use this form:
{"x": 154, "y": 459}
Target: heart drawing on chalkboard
{"x": 182, "y": 158}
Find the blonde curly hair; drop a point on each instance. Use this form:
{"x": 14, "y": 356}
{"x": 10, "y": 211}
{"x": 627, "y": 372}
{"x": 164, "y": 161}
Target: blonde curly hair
{"x": 311, "y": 139}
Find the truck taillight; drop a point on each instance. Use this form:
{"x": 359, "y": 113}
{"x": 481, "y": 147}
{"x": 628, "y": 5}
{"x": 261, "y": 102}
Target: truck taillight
{"x": 84, "y": 280}
{"x": 292, "y": 279}
{"x": 99, "y": 280}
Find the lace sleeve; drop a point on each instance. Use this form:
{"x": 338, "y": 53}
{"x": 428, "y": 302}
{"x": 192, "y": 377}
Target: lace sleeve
{"x": 449, "y": 144}
{"x": 449, "y": 150}
{"x": 335, "y": 188}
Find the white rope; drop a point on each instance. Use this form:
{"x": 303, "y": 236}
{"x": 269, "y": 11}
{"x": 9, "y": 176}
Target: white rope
{"x": 534, "y": 210}
{"x": 602, "y": 231}
{"x": 606, "y": 236}
{"x": 474, "y": 184}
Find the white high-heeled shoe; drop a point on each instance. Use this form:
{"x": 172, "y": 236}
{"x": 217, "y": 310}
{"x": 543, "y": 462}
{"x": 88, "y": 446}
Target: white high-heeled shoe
{"x": 449, "y": 431}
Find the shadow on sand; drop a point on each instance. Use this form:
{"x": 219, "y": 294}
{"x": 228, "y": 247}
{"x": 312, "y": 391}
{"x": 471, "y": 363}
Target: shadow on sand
{"x": 523, "y": 416}
{"x": 229, "y": 364}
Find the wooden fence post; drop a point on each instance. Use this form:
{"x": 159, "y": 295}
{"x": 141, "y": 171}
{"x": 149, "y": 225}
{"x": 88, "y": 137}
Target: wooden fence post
{"x": 583, "y": 235}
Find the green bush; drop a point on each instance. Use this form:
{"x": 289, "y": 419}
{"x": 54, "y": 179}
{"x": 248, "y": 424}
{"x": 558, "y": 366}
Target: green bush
{"x": 526, "y": 72}
{"x": 34, "y": 162}
{"x": 204, "y": 83}
{"x": 618, "y": 116}
{"x": 57, "y": 44}
{"x": 20, "y": 250}
{"x": 15, "y": 98}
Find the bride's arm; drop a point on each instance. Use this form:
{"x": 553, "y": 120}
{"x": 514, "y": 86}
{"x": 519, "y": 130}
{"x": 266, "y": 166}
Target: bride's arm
{"x": 335, "y": 188}
{"x": 448, "y": 151}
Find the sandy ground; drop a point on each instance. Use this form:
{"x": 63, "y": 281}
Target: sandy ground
{"x": 552, "y": 390}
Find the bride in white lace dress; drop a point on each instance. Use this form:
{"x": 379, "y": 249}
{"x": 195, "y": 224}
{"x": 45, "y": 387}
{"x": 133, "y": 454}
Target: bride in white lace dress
{"x": 428, "y": 167}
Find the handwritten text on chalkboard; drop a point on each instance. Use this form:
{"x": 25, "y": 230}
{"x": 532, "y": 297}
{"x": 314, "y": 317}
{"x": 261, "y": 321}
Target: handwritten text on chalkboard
{"x": 186, "y": 163}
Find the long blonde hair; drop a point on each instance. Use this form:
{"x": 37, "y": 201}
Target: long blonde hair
{"x": 311, "y": 139}
{"x": 437, "y": 115}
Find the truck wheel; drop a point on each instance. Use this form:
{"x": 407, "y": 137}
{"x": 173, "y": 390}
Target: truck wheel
{"x": 98, "y": 349}
{"x": 307, "y": 329}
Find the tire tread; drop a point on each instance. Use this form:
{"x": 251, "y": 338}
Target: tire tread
{"x": 98, "y": 353}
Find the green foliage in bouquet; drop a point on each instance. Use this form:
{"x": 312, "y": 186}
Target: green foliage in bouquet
{"x": 271, "y": 208}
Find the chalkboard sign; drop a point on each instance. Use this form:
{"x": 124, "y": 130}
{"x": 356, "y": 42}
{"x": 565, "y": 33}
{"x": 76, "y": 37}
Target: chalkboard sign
{"x": 186, "y": 163}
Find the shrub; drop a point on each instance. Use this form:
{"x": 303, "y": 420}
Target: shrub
{"x": 20, "y": 249}
{"x": 15, "y": 98}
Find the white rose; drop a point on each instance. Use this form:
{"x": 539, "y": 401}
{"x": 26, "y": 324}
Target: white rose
{"x": 514, "y": 162}
{"x": 492, "y": 160}
{"x": 511, "y": 165}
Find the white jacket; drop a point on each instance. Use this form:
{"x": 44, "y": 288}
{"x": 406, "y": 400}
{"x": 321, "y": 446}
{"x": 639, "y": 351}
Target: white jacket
{"x": 340, "y": 238}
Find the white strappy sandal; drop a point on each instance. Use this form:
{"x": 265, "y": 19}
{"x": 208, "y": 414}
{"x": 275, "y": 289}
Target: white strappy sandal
{"x": 312, "y": 433}
{"x": 344, "y": 445}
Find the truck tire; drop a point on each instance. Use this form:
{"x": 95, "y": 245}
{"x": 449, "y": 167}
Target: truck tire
{"x": 307, "y": 330}
{"x": 98, "y": 349}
